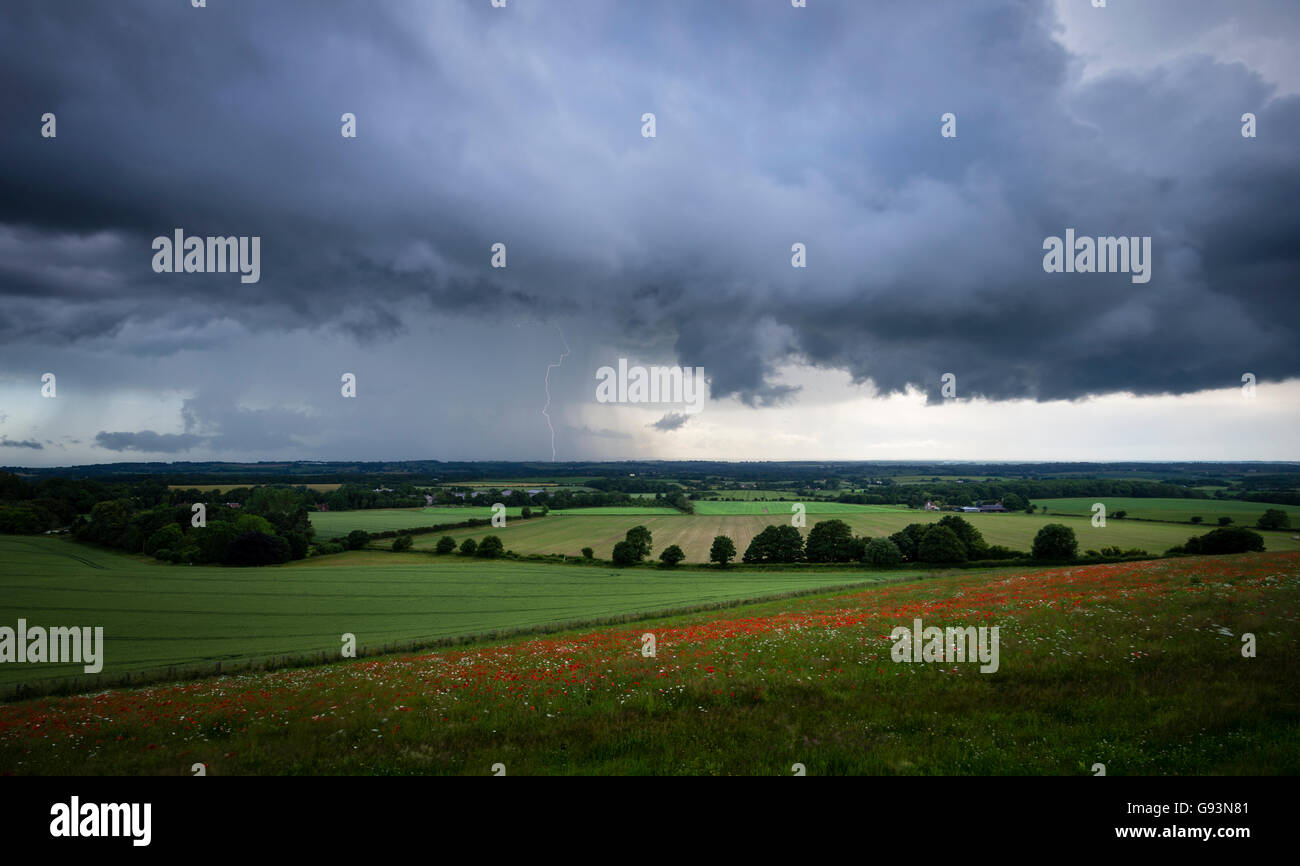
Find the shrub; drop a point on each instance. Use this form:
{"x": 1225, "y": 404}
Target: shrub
{"x": 446, "y": 544}
{"x": 168, "y": 538}
{"x": 1196, "y": 519}
{"x": 626, "y": 553}
{"x": 1224, "y": 521}
{"x": 588, "y": 553}
{"x": 1236, "y": 539}
{"x": 1274, "y": 518}
{"x": 970, "y": 537}
{"x": 671, "y": 556}
{"x": 1055, "y": 542}
{"x": 468, "y": 546}
{"x": 490, "y": 547}
{"x": 908, "y": 538}
{"x": 357, "y": 539}
{"x": 941, "y": 544}
{"x": 882, "y": 553}
{"x": 401, "y": 543}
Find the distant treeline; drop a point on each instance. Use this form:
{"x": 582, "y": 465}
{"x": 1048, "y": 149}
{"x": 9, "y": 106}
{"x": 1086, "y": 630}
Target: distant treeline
{"x": 917, "y": 495}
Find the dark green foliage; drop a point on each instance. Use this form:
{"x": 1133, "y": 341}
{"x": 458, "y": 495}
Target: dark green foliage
{"x": 722, "y": 551}
{"x": 941, "y": 544}
{"x": 639, "y": 537}
{"x": 626, "y": 553}
{"x": 357, "y": 539}
{"x": 1274, "y": 518}
{"x": 971, "y": 538}
{"x": 1055, "y": 542}
{"x": 672, "y": 555}
{"x": 1234, "y": 539}
{"x": 908, "y": 539}
{"x": 468, "y": 546}
{"x": 402, "y": 542}
{"x": 776, "y": 544}
{"x": 446, "y": 544}
{"x": 882, "y": 553}
{"x": 490, "y": 547}
{"x": 830, "y": 541}
{"x": 257, "y": 548}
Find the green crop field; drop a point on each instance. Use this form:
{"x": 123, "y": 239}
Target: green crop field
{"x": 569, "y": 533}
{"x": 1180, "y": 510}
{"x": 618, "y": 510}
{"x": 785, "y": 509}
{"x": 155, "y": 616}
{"x": 747, "y": 495}
{"x": 332, "y": 524}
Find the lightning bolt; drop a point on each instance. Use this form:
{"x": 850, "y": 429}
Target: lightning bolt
{"x": 545, "y": 408}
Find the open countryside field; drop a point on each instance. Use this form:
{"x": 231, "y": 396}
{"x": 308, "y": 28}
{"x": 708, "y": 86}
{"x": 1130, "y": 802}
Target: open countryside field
{"x": 1179, "y": 510}
{"x": 749, "y": 494}
{"x": 569, "y": 533}
{"x": 208, "y": 488}
{"x": 333, "y": 524}
{"x": 619, "y": 510}
{"x": 155, "y": 615}
{"x": 785, "y": 509}
{"x": 1135, "y": 665}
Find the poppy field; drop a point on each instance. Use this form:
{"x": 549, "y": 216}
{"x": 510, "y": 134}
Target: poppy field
{"x": 1136, "y": 666}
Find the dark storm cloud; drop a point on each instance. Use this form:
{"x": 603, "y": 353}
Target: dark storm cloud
{"x": 775, "y": 125}
{"x": 671, "y": 421}
{"x": 148, "y": 440}
{"x": 26, "y": 443}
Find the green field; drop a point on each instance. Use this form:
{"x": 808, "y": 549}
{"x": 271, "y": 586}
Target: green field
{"x": 749, "y": 494}
{"x": 1178, "y": 510}
{"x": 156, "y": 615}
{"x": 1137, "y": 666}
{"x": 785, "y": 509}
{"x": 569, "y": 533}
{"x": 332, "y": 524}
{"x": 618, "y": 510}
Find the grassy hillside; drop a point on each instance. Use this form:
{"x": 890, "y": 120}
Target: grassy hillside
{"x": 157, "y": 615}
{"x": 1136, "y": 666}
{"x": 332, "y": 524}
{"x": 785, "y": 509}
{"x": 1180, "y": 510}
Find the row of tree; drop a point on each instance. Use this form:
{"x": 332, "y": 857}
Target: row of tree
{"x": 273, "y": 527}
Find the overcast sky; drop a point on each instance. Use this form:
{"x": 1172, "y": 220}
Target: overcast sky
{"x": 774, "y": 126}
